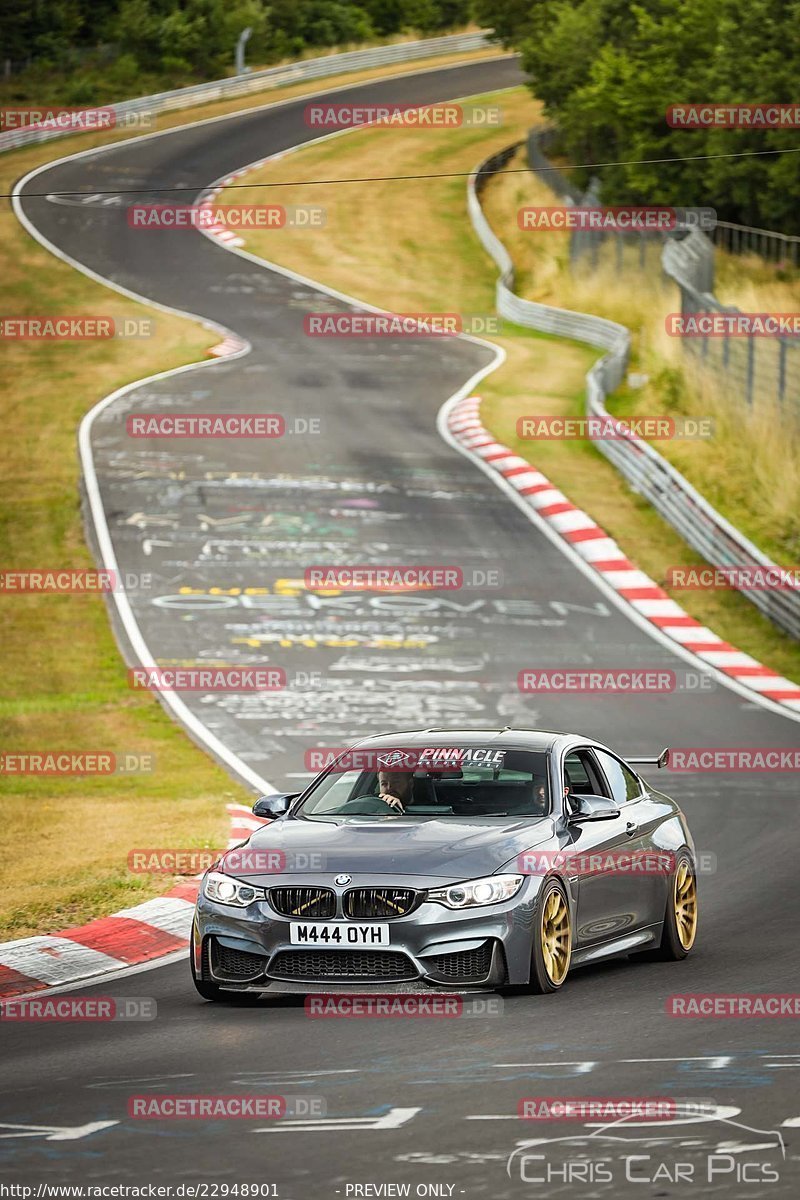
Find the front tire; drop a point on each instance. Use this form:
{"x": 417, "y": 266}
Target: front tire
{"x": 552, "y": 941}
{"x": 209, "y": 991}
{"x": 212, "y": 991}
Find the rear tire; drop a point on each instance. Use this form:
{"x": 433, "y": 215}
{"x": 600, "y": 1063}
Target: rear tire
{"x": 680, "y": 918}
{"x": 552, "y": 940}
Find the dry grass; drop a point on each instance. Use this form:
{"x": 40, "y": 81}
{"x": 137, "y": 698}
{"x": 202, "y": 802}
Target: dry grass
{"x": 755, "y": 285}
{"x": 376, "y": 242}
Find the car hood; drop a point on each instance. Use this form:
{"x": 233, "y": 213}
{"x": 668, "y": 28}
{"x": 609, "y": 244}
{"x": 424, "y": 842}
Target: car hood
{"x": 454, "y": 849}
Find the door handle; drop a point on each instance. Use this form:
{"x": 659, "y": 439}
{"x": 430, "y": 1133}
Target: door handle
{"x": 630, "y": 828}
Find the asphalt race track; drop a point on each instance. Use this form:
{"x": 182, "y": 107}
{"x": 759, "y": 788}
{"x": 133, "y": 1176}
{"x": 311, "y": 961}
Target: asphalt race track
{"x": 418, "y": 1102}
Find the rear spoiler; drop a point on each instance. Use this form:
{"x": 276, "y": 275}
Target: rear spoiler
{"x": 661, "y": 761}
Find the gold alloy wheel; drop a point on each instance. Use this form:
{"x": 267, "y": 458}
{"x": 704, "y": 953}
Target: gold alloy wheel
{"x": 556, "y": 937}
{"x": 685, "y": 900}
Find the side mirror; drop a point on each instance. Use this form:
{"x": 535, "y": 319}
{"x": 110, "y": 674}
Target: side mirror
{"x": 593, "y": 808}
{"x": 273, "y": 806}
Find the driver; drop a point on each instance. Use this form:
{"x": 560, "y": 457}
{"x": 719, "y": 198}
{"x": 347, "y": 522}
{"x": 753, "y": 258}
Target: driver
{"x": 394, "y": 788}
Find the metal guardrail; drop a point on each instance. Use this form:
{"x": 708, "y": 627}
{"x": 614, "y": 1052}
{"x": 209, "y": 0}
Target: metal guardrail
{"x": 597, "y": 331}
{"x": 766, "y": 243}
{"x": 761, "y": 372}
{"x": 257, "y": 81}
{"x": 690, "y": 262}
{"x": 648, "y": 473}
{"x": 538, "y": 141}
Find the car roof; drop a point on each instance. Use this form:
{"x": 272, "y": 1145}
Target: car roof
{"x": 508, "y": 737}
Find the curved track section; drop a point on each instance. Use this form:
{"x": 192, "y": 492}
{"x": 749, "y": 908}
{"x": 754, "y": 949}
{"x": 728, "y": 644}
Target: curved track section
{"x": 433, "y": 1103}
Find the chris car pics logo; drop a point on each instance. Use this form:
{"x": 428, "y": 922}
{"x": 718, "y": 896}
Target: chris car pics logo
{"x": 696, "y": 1144}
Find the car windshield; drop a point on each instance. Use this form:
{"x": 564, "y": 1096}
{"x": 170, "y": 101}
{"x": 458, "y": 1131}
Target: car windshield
{"x": 470, "y": 782}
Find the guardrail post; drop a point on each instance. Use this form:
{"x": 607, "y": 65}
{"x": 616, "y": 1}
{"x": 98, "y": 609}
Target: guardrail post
{"x": 781, "y": 369}
{"x": 244, "y": 38}
{"x": 751, "y": 367}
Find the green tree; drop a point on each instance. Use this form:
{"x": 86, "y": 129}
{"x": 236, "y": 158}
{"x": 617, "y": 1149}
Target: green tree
{"x": 607, "y": 71}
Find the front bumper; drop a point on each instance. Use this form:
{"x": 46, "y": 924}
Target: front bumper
{"x": 432, "y": 947}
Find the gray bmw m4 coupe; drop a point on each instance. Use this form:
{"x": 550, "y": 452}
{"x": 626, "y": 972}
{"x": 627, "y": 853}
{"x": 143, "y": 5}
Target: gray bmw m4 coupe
{"x": 450, "y": 859}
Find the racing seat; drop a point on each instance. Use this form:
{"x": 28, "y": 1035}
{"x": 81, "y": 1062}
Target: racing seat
{"x": 514, "y": 797}
{"x": 517, "y": 798}
{"x": 422, "y": 790}
{"x": 426, "y": 788}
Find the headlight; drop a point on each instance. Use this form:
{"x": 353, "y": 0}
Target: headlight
{"x": 477, "y": 892}
{"x": 227, "y": 890}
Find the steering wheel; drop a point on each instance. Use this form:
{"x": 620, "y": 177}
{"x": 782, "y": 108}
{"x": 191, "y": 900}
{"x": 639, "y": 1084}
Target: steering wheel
{"x": 368, "y": 805}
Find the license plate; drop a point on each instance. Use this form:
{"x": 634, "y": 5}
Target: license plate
{"x": 338, "y": 933}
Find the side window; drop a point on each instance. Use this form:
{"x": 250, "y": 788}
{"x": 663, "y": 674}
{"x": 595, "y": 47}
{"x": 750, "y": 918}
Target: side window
{"x": 622, "y": 781}
{"x": 581, "y": 776}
